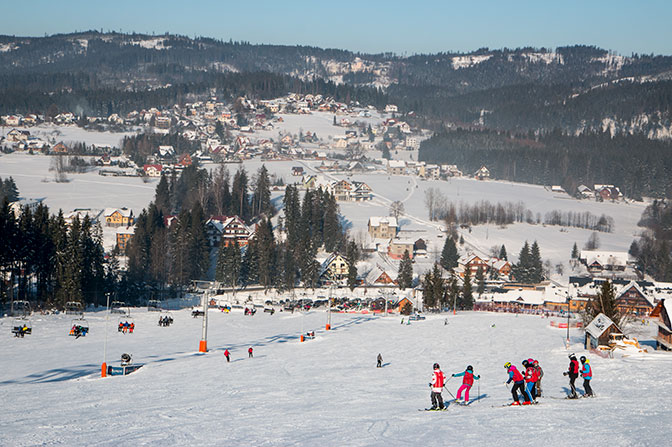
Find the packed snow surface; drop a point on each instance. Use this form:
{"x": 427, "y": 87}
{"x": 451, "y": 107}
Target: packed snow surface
{"x": 326, "y": 391}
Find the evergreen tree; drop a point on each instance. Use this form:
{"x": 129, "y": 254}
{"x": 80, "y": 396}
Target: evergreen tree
{"x": 502, "y": 253}
{"x": 352, "y": 257}
{"x": 249, "y": 268}
{"x": 480, "y": 281}
{"x": 536, "y": 264}
{"x": 289, "y": 269}
{"x": 522, "y": 269}
{"x": 261, "y": 199}
{"x": 229, "y": 264}
{"x": 266, "y": 253}
{"x": 575, "y": 252}
{"x": 439, "y": 286}
{"x": 239, "y": 197}
{"x": 333, "y": 233}
{"x": 449, "y": 255}
{"x": 467, "y": 299}
{"x": 405, "y": 277}
{"x": 428, "y": 296}
{"x": 453, "y": 291}
{"x": 162, "y": 196}
{"x": 604, "y": 302}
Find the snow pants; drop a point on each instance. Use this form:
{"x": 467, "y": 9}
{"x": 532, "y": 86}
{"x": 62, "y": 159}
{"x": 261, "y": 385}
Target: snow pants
{"x": 538, "y": 388}
{"x": 586, "y": 386}
{"x": 530, "y": 390}
{"x": 519, "y": 386}
{"x": 572, "y": 378}
{"x": 466, "y": 389}
{"x": 437, "y": 400}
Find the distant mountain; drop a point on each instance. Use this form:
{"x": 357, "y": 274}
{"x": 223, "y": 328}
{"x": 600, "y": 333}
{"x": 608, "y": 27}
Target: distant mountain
{"x": 572, "y": 88}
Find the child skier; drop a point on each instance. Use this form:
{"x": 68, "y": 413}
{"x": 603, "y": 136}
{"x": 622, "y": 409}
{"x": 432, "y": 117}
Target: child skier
{"x": 227, "y": 354}
{"x": 518, "y": 384}
{"x": 587, "y": 374}
{"x": 540, "y": 374}
{"x": 530, "y": 379}
{"x": 573, "y": 373}
{"x": 438, "y": 379}
{"x": 249, "y": 352}
{"x": 467, "y": 383}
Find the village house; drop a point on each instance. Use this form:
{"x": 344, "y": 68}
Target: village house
{"x": 599, "y": 261}
{"x": 381, "y": 277}
{"x": 396, "y": 167}
{"x": 398, "y": 247}
{"x": 471, "y": 262}
{"x": 334, "y": 268}
{"x": 391, "y": 108}
{"x": 483, "y": 173}
{"x": 152, "y": 170}
{"x": 420, "y": 248}
{"x": 663, "y": 317}
{"x": 383, "y": 227}
{"x": 222, "y": 231}
{"x": 631, "y": 299}
{"x": 117, "y": 217}
{"x": 500, "y": 267}
{"x": 123, "y": 236}
{"x": 81, "y": 213}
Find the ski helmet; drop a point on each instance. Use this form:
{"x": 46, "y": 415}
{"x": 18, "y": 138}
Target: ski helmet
{"x": 535, "y": 363}
{"x": 525, "y": 363}
{"x": 572, "y": 356}
{"x": 470, "y": 368}
{"x": 436, "y": 366}
{"x": 583, "y": 359}
{"x": 507, "y": 365}
{"x": 530, "y": 361}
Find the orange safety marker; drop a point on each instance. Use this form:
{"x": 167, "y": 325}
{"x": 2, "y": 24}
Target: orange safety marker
{"x": 302, "y": 338}
{"x": 103, "y": 370}
{"x": 328, "y": 327}
{"x": 203, "y": 346}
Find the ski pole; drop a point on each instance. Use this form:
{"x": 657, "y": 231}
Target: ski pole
{"x": 479, "y": 388}
{"x": 451, "y": 394}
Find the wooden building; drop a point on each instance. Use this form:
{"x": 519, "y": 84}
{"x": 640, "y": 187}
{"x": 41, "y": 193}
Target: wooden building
{"x": 599, "y": 331}
{"x": 663, "y": 315}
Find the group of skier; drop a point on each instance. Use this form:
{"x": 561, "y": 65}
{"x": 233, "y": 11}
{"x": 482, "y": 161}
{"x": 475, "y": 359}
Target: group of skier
{"x": 526, "y": 382}
{"x": 126, "y": 327}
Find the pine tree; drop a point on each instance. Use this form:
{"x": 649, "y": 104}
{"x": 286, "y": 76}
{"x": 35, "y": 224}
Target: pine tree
{"x": 522, "y": 269}
{"x": 428, "y": 296}
{"x": 502, "y": 253}
{"x": 575, "y": 252}
{"x": 266, "y": 253}
{"x": 449, "y": 254}
{"x": 405, "y": 276}
{"x": 162, "y": 197}
{"x": 467, "y": 301}
{"x": 480, "y": 281}
{"x": 333, "y": 233}
{"x": 229, "y": 264}
{"x": 352, "y": 257}
{"x": 261, "y": 199}
{"x": 240, "y": 204}
{"x": 604, "y": 302}
{"x": 438, "y": 286}
{"x": 536, "y": 265}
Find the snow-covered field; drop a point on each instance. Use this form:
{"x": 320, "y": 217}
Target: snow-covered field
{"x": 72, "y": 134}
{"x": 324, "y": 392}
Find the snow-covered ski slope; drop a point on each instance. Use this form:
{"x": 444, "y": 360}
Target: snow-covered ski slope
{"x": 325, "y": 392}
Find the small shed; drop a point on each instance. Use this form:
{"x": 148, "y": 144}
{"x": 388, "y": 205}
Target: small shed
{"x": 663, "y": 315}
{"x": 599, "y": 331}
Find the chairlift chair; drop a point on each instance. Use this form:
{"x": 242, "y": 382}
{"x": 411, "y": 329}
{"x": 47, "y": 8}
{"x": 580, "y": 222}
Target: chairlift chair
{"x": 21, "y": 326}
{"x": 126, "y": 325}
{"x": 79, "y": 328}
{"x": 21, "y": 308}
{"x": 117, "y": 307}
{"x": 153, "y": 306}
{"x": 74, "y": 308}
{"x": 165, "y": 319}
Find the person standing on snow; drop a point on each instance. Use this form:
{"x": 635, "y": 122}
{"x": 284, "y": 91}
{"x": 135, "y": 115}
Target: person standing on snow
{"x": 530, "y": 379}
{"x": 573, "y": 373}
{"x": 467, "y": 383}
{"x": 227, "y": 354}
{"x": 518, "y": 384}
{"x": 438, "y": 379}
{"x": 379, "y": 361}
{"x": 540, "y": 374}
{"x": 249, "y": 352}
{"x": 587, "y": 374}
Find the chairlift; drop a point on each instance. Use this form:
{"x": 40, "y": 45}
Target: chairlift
{"x": 74, "y": 308}
{"x": 154, "y": 306}
{"x": 126, "y": 325}
{"x": 21, "y": 308}
{"x": 79, "y": 328}
{"x": 117, "y": 307}
{"x": 21, "y": 327}
{"x": 165, "y": 319}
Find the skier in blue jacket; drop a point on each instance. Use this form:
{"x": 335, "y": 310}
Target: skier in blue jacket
{"x": 587, "y": 374}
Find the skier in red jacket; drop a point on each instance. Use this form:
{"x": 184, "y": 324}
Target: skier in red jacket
{"x": 531, "y": 376}
{"x": 249, "y": 352}
{"x": 573, "y": 373}
{"x": 227, "y": 354}
{"x": 436, "y": 385}
{"x": 467, "y": 383}
{"x": 518, "y": 384}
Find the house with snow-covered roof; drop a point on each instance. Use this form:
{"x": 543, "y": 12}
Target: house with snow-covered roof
{"x": 633, "y": 300}
{"x": 599, "y": 261}
{"x": 117, "y": 217}
{"x": 334, "y": 268}
{"x": 398, "y": 247}
{"x": 598, "y": 332}
{"x": 663, "y": 317}
{"x": 223, "y": 231}
{"x": 383, "y": 227}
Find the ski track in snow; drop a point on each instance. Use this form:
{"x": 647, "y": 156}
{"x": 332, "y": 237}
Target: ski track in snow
{"x": 325, "y": 391}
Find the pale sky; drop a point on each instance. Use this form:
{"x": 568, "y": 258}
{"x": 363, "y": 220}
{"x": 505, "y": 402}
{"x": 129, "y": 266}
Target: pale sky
{"x": 402, "y": 27}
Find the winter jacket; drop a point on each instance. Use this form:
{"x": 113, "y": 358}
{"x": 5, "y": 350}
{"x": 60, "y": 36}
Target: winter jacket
{"x": 515, "y": 375}
{"x": 468, "y": 377}
{"x": 574, "y": 368}
{"x": 531, "y": 374}
{"x": 587, "y": 372}
{"x": 540, "y": 372}
{"x": 438, "y": 380}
